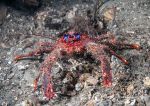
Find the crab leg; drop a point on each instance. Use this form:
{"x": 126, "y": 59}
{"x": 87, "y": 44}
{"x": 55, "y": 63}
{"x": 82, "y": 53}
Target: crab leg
{"x": 99, "y": 53}
{"x": 106, "y": 70}
{"x": 33, "y": 53}
{"x": 112, "y": 42}
{"x": 105, "y": 36}
{"x": 36, "y": 81}
{"x": 45, "y": 44}
{"x": 127, "y": 46}
{"x": 122, "y": 45}
{"x": 118, "y": 56}
{"x": 46, "y": 69}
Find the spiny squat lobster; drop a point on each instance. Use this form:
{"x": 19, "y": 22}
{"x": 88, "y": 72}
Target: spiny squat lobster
{"x": 76, "y": 42}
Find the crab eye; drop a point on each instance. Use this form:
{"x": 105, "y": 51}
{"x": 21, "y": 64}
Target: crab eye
{"x": 77, "y": 36}
{"x": 66, "y": 36}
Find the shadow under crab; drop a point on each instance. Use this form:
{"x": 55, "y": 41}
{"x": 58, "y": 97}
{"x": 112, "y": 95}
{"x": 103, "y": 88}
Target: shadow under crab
{"x": 73, "y": 42}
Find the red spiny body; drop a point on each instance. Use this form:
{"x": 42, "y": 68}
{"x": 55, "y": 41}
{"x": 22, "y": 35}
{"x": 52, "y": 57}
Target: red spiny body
{"x": 68, "y": 44}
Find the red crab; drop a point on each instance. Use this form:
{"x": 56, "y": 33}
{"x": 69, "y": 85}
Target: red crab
{"x": 75, "y": 42}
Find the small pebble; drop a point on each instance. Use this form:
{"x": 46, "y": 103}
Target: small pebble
{"x": 130, "y": 102}
{"x": 78, "y": 86}
{"x": 147, "y": 81}
{"x": 22, "y": 67}
{"x": 90, "y": 103}
{"x": 130, "y": 89}
{"x": 65, "y": 80}
{"x": 91, "y": 80}
{"x": 146, "y": 99}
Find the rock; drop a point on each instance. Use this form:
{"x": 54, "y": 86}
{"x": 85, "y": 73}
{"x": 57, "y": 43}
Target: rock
{"x": 84, "y": 77}
{"x": 29, "y": 77}
{"x": 3, "y": 12}
{"x": 84, "y": 97}
{"x": 2, "y": 76}
{"x": 140, "y": 102}
{"x": 4, "y": 104}
{"x": 90, "y": 103}
{"x": 147, "y": 81}
{"x": 100, "y": 25}
{"x": 146, "y": 99}
{"x": 146, "y": 91}
{"x": 65, "y": 80}
{"x": 104, "y": 103}
{"x": 91, "y": 80}
{"x": 78, "y": 86}
{"x": 109, "y": 14}
{"x": 88, "y": 79}
{"x": 71, "y": 14}
{"x": 21, "y": 66}
{"x": 130, "y": 89}
{"x": 130, "y": 102}
{"x": 32, "y": 101}
{"x": 10, "y": 75}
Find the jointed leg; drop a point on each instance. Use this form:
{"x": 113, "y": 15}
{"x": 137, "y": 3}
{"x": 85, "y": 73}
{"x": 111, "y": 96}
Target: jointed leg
{"x": 119, "y": 45}
{"x": 46, "y": 69}
{"x": 122, "y": 45}
{"x": 107, "y": 49}
{"x": 127, "y": 46}
{"x": 33, "y": 53}
{"x": 36, "y": 81}
{"x": 99, "y": 53}
{"x": 44, "y": 44}
{"x": 118, "y": 56}
{"x": 106, "y": 70}
{"x": 105, "y": 36}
